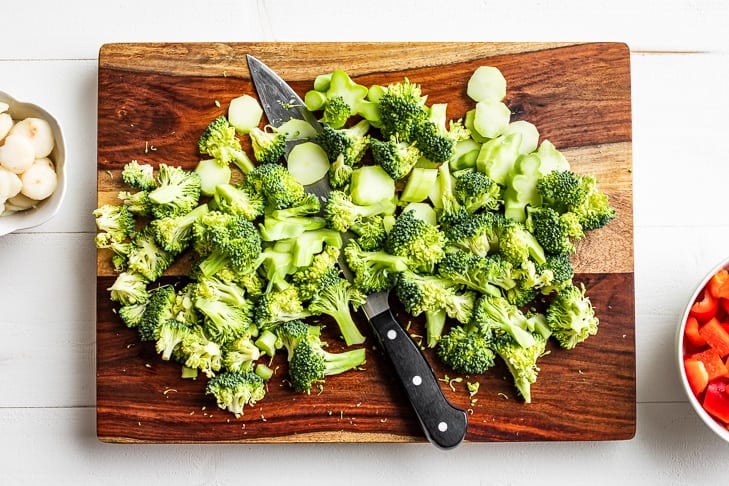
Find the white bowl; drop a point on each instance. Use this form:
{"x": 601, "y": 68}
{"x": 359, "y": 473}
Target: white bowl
{"x": 47, "y": 208}
{"x": 716, "y": 426}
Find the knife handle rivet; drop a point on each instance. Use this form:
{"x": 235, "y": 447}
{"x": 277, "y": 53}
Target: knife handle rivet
{"x": 391, "y": 334}
{"x": 442, "y": 426}
{"x": 417, "y": 380}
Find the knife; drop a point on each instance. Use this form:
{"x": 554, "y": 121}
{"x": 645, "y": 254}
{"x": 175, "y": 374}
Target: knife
{"x": 443, "y": 424}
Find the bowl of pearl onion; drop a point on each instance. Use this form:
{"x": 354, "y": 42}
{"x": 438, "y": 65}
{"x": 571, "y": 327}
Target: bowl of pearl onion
{"x": 32, "y": 165}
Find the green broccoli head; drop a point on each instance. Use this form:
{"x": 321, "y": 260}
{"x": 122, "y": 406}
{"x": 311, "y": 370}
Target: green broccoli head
{"x": 139, "y": 176}
{"x": 233, "y": 390}
{"x": 374, "y": 271}
{"x": 476, "y": 233}
{"x": 396, "y": 157}
{"x": 291, "y": 333}
{"x": 351, "y": 143}
{"x": 159, "y": 309}
{"x": 279, "y": 305}
{"x": 240, "y": 355}
{"x": 268, "y": 147}
{"x": 276, "y": 184}
{"x": 238, "y": 201}
{"x": 595, "y": 212}
{"x": 335, "y": 300}
{"x": 521, "y": 361}
{"x": 401, "y": 107}
{"x": 199, "y": 352}
{"x": 436, "y": 138}
{"x": 420, "y": 242}
{"x": 466, "y": 351}
{"x": 115, "y": 220}
{"x": 370, "y": 232}
{"x": 561, "y": 190}
{"x": 178, "y": 192}
{"x": 146, "y": 256}
{"x": 322, "y": 271}
{"x": 486, "y": 274}
{"x": 554, "y": 232}
{"x": 136, "y": 202}
{"x": 476, "y": 191}
{"x": 170, "y": 334}
{"x": 129, "y": 288}
{"x": 174, "y": 233}
{"x": 224, "y": 239}
{"x": 422, "y": 293}
{"x": 341, "y": 213}
{"x": 571, "y": 317}
{"x": 517, "y": 245}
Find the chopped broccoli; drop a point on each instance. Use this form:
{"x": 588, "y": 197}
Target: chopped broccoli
{"x": 224, "y": 239}
{"x": 279, "y": 306}
{"x": 562, "y": 272}
{"x": 275, "y": 229}
{"x": 291, "y": 333}
{"x": 338, "y": 100}
{"x": 485, "y": 274}
{"x": 174, "y": 233}
{"x": 436, "y": 138}
{"x": 240, "y": 354}
{"x": 147, "y": 257}
{"x": 476, "y": 233}
{"x": 137, "y": 202}
{"x": 219, "y": 141}
{"x": 554, "y": 232}
{"x": 400, "y": 107}
{"x": 199, "y": 352}
{"x": 341, "y": 213}
{"x": 234, "y": 390}
{"x": 371, "y": 232}
{"x": 496, "y": 315}
{"x": 465, "y": 350}
{"x": 420, "y": 242}
{"x": 395, "y": 156}
{"x": 238, "y": 201}
{"x": 131, "y": 314}
{"x": 340, "y": 173}
{"x": 309, "y": 243}
{"x": 129, "y": 288}
{"x": 268, "y": 147}
{"x": 120, "y": 250}
{"x": 178, "y": 192}
{"x": 322, "y": 271}
{"x": 310, "y": 364}
{"x": 521, "y": 361}
{"x": 139, "y": 176}
{"x": 170, "y": 334}
{"x": 561, "y": 190}
{"x": 351, "y": 142}
{"x": 116, "y": 220}
{"x": 276, "y": 184}
{"x": 476, "y": 191}
{"x": 595, "y": 212}
{"x": 308, "y": 205}
{"x": 571, "y": 316}
{"x": 227, "y": 314}
{"x": 517, "y": 245}
{"x": 335, "y": 300}
{"x": 374, "y": 271}
{"x": 159, "y": 309}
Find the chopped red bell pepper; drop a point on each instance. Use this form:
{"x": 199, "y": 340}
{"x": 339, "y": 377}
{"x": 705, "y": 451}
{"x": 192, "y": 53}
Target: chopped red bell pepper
{"x": 716, "y": 401}
{"x": 705, "y": 307}
{"x": 713, "y": 363}
{"x": 697, "y": 375}
{"x": 719, "y": 284}
{"x": 692, "y": 332}
{"x": 716, "y": 336}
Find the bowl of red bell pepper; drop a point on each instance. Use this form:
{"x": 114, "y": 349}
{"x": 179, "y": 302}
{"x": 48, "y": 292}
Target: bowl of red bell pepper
{"x": 703, "y": 349}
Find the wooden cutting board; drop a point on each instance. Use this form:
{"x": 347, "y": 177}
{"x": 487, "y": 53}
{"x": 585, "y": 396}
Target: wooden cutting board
{"x": 154, "y": 100}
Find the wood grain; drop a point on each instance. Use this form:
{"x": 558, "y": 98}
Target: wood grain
{"x": 154, "y": 101}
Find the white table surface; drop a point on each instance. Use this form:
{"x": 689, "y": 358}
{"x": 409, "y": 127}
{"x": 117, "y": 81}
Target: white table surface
{"x": 680, "y": 95}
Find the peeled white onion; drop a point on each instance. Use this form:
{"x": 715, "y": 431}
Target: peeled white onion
{"x": 39, "y": 181}
{"x": 17, "y": 153}
{"x": 39, "y": 132}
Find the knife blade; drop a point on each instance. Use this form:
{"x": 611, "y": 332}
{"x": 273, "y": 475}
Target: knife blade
{"x": 443, "y": 424}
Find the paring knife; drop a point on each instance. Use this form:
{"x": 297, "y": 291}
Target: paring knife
{"x": 443, "y": 424}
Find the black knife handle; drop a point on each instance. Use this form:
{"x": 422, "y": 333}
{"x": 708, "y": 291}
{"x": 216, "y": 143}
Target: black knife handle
{"x": 444, "y": 425}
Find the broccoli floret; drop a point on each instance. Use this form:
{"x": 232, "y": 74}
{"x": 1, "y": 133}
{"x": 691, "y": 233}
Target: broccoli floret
{"x": 339, "y": 100}
{"x": 120, "y": 250}
{"x": 340, "y": 173}
{"x": 115, "y": 220}
{"x": 290, "y": 333}
{"x": 595, "y": 212}
{"x": 147, "y": 257}
{"x": 517, "y": 245}
{"x": 561, "y": 190}
{"x": 323, "y": 270}
{"x": 522, "y": 294}
{"x": 308, "y": 205}
{"x": 571, "y": 317}
{"x": 178, "y": 192}
{"x": 219, "y": 141}
{"x": 228, "y": 315}
{"x": 465, "y": 350}
{"x": 485, "y": 274}
{"x": 396, "y": 157}
{"x": 310, "y": 364}
{"x": 129, "y": 288}
{"x": 436, "y": 138}
{"x": 131, "y": 314}
{"x": 233, "y": 391}
{"x": 476, "y": 233}
{"x": 159, "y": 309}
{"x": 341, "y": 213}
{"x": 562, "y": 272}
{"x": 238, "y": 201}
{"x": 223, "y": 239}
{"x": 476, "y": 191}
{"x": 401, "y": 107}
{"x": 374, "y": 271}
{"x": 139, "y": 176}
{"x": 268, "y": 147}
{"x": 137, "y": 202}
{"x": 351, "y": 142}
{"x": 174, "y": 233}
{"x": 371, "y": 232}
{"x": 496, "y": 315}
{"x": 279, "y": 306}
{"x": 198, "y": 352}
{"x": 420, "y": 242}
{"x": 240, "y": 354}
{"x": 276, "y": 184}
{"x": 554, "y": 232}
{"x": 521, "y": 361}
{"x": 309, "y": 243}
{"x": 170, "y": 334}
{"x": 335, "y": 300}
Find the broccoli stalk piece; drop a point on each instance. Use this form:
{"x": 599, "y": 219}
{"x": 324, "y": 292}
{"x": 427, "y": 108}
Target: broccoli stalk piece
{"x": 465, "y": 350}
{"x": 139, "y": 176}
{"x": 234, "y": 390}
{"x": 310, "y": 364}
{"x": 430, "y": 294}
{"x": 351, "y": 142}
{"x": 238, "y": 201}
{"x": 335, "y": 300}
{"x": 129, "y": 288}
{"x": 571, "y": 317}
{"x": 338, "y": 98}
{"x": 174, "y": 233}
{"x": 117, "y": 221}
{"x": 276, "y": 184}
{"x": 268, "y": 147}
{"x": 420, "y": 242}
{"x": 219, "y": 141}
{"x": 341, "y": 213}
{"x": 521, "y": 361}
{"x": 476, "y": 191}
{"x": 374, "y": 271}
{"x": 178, "y": 192}
{"x": 396, "y": 157}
